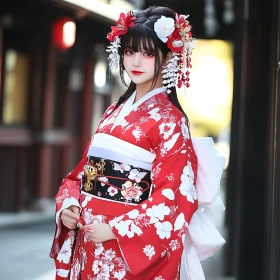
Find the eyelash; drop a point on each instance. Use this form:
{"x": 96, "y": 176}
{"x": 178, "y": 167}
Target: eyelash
{"x": 130, "y": 52}
{"x": 151, "y": 54}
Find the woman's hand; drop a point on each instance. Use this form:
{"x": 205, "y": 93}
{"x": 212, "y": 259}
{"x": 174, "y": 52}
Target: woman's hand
{"x": 70, "y": 216}
{"x": 99, "y": 232}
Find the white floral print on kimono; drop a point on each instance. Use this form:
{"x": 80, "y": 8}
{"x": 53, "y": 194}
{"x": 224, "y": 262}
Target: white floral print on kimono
{"x": 151, "y": 134}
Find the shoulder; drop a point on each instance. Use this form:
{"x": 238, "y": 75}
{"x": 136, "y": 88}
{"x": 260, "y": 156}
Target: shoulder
{"x": 165, "y": 105}
{"x": 170, "y": 132}
{"x": 170, "y": 115}
{"x": 108, "y": 111}
{"x": 105, "y": 115}
{"x": 110, "y": 108}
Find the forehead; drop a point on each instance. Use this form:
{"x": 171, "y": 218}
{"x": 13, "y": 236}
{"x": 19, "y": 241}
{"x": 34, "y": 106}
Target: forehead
{"x": 138, "y": 44}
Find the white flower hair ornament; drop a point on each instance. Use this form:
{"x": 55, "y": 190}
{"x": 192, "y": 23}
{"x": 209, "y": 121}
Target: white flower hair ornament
{"x": 177, "y": 34}
{"x": 164, "y": 27}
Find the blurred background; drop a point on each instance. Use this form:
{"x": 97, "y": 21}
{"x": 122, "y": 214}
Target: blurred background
{"x": 55, "y": 85}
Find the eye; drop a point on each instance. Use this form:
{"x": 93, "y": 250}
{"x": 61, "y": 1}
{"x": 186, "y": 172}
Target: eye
{"x": 128, "y": 52}
{"x": 149, "y": 54}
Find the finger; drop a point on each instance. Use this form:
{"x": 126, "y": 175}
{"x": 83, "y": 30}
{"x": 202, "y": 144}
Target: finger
{"x": 88, "y": 228}
{"x": 89, "y": 236}
{"x": 69, "y": 225}
{"x": 69, "y": 220}
{"x": 89, "y": 232}
{"x": 66, "y": 223}
{"x": 75, "y": 210}
{"x": 96, "y": 240}
{"x": 70, "y": 214}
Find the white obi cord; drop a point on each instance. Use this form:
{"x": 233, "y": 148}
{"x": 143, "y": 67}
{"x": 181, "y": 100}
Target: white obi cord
{"x": 202, "y": 236}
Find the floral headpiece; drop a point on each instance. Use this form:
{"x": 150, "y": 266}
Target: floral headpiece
{"x": 124, "y": 22}
{"x": 176, "y": 34}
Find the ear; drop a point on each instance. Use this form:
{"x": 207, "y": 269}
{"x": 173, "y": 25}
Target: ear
{"x": 167, "y": 58}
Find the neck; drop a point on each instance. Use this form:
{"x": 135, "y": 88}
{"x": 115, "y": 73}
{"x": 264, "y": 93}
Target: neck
{"x": 144, "y": 88}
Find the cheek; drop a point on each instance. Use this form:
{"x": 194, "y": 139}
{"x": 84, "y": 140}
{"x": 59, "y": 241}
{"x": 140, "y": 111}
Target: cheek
{"x": 126, "y": 61}
{"x": 150, "y": 63}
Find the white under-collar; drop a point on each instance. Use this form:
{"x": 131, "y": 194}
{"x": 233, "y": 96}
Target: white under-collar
{"x": 147, "y": 96}
{"x": 129, "y": 106}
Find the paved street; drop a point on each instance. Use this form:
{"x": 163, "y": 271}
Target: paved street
{"x": 24, "y": 252}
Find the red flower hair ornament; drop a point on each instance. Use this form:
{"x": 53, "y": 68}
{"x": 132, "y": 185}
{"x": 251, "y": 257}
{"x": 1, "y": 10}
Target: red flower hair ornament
{"x": 124, "y": 22}
{"x": 176, "y": 34}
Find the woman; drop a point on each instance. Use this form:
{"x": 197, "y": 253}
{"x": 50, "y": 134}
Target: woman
{"x": 133, "y": 194}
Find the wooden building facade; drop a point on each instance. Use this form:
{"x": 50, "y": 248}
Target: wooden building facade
{"x": 47, "y": 96}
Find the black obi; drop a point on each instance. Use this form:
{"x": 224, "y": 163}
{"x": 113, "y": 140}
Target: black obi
{"x": 116, "y": 181}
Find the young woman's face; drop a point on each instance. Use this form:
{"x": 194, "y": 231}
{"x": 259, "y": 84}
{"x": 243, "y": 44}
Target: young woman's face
{"x": 140, "y": 66}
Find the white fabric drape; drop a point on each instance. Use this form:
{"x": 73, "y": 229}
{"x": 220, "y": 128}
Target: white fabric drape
{"x": 202, "y": 236}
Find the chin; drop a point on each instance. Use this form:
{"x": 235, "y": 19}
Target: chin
{"x": 139, "y": 81}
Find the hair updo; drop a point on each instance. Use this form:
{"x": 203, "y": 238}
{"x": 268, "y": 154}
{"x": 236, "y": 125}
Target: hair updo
{"x": 142, "y": 35}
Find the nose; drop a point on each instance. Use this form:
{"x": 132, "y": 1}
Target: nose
{"x": 137, "y": 59}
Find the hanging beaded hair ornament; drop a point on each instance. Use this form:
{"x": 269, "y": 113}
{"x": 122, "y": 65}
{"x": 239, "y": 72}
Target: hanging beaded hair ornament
{"x": 176, "y": 34}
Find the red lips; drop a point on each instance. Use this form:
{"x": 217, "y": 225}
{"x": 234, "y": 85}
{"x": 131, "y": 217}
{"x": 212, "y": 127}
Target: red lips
{"x": 137, "y": 72}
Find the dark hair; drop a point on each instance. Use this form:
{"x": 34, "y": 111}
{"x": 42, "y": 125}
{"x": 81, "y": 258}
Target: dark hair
{"x": 142, "y": 35}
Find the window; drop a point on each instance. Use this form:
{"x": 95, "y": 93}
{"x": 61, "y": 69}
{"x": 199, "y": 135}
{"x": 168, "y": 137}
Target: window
{"x": 16, "y": 87}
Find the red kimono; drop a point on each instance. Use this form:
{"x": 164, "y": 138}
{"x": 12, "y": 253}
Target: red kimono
{"x": 150, "y": 223}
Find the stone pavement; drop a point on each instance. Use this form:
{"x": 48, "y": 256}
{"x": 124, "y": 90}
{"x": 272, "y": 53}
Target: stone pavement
{"x": 43, "y": 212}
{"x": 25, "y": 251}
{"x": 46, "y": 276}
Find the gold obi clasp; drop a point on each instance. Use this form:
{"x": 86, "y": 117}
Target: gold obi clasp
{"x": 92, "y": 171}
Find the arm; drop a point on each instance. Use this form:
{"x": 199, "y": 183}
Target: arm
{"x": 69, "y": 193}
{"x": 67, "y": 196}
{"x": 155, "y": 229}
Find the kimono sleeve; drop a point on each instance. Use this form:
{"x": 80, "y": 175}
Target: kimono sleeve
{"x": 67, "y": 195}
{"x": 105, "y": 115}
{"x": 155, "y": 229}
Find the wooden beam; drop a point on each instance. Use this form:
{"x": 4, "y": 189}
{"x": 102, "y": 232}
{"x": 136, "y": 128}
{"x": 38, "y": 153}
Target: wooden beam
{"x": 275, "y": 195}
{"x": 15, "y": 136}
{"x": 235, "y": 170}
{"x": 87, "y": 96}
{"x": 45, "y": 150}
{"x": 250, "y": 175}
{"x": 48, "y": 97}
{"x": 1, "y": 68}
{"x": 273, "y": 214}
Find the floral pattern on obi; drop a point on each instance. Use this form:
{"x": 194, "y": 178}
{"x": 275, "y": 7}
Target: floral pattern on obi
{"x": 115, "y": 181}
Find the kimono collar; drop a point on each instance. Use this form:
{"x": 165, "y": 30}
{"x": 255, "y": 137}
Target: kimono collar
{"x": 129, "y": 106}
{"x": 145, "y": 97}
